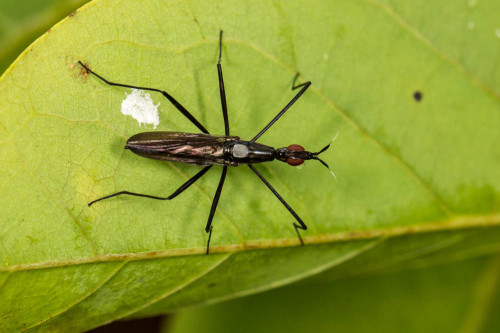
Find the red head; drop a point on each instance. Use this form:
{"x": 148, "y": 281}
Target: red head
{"x": 295, "y": 155}
{"x": 295, "y": 159}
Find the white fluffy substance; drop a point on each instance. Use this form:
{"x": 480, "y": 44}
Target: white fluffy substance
{"x": 139, "y": 105}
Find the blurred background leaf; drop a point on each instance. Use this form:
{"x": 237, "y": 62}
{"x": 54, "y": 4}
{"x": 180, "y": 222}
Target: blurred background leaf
{"x": 459, "y": 297}
{"x": 22, "y": 21}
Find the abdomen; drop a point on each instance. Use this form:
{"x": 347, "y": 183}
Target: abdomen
{"x": 198, "y": 149}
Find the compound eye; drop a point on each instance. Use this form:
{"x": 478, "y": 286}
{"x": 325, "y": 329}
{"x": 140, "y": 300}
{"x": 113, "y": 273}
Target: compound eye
{"x": 294, "y": 161}
{"x": 295, "y": 148}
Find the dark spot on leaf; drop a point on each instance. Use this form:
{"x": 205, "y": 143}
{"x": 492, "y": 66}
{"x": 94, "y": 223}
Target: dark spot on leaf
{"x": 417, "y": 95}
{"x": 211, "y": 285}
{"x": 73, "y": 13}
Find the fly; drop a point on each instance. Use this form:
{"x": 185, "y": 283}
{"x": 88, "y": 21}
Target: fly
{"x": 204, "y": 149}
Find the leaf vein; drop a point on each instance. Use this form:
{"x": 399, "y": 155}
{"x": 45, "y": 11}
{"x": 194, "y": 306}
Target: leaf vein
{"x": 58, "y": 202}
{"x": 173, "y": 291}
{"x": 454, "y": 223}
{"x": 288, "y": 280}
{"x": 420, "y": 37}
{"x": 435, "y": 197}
{"x": 70, "y": 306}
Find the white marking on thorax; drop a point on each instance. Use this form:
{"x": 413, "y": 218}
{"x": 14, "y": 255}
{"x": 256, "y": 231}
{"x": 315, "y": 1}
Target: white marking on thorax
{"x": 240, "y": 151}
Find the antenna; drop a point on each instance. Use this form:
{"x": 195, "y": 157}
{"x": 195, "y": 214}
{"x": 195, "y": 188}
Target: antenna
{"x": 315, "y": 156}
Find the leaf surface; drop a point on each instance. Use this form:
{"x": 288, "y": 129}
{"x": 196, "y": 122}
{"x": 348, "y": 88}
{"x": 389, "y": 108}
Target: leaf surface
{"x": 414, "y": 177}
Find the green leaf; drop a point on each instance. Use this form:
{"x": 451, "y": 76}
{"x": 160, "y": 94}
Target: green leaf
{"x": 21, "y": 22}
{"x": 415, "y": 178}
{"x": 458, "y": 297}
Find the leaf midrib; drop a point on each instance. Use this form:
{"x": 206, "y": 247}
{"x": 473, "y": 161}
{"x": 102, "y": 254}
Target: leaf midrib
{"x": 456, "y": 223}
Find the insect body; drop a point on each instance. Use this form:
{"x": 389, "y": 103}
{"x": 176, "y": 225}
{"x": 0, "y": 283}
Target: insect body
{"x": 204, "y": 149}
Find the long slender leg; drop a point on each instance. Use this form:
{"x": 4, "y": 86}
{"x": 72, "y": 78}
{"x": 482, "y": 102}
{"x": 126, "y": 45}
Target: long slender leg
{"x": 304, "y": 86}
{"x": 209, "y": 228}
{"x": 181, "y": 189}
{"x": 221, "y": 88}
{"x": 301, "y": 224}
{"x": 172, "y": 100}
{"x": 300, "y": 85}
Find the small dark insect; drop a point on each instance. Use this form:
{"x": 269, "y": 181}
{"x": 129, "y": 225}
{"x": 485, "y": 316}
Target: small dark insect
{"x": 204, "y": 149}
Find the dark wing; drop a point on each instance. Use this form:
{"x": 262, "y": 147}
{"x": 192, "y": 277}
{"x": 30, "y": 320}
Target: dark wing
{"x": 199, "y": 149}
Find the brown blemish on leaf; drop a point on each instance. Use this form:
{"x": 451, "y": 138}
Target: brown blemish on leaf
{"x": 73, "y": 13}
{"x": 77, "y": 69}
{"x": 83, "y": 71}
